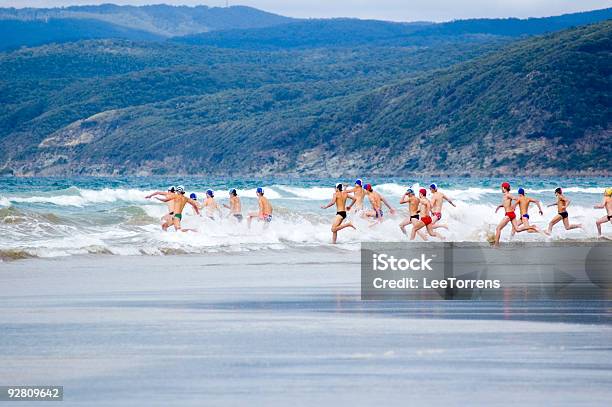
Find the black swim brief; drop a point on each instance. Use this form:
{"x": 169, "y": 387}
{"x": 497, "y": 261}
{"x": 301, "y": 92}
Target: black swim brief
{"x": 564, "y": 214}
{"x": 417, "y": 217}
{"x": 341, "y": 213}
{"x": 238, "y": 216}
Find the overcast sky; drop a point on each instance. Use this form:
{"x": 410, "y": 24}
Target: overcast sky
{"x": 398, "y": 10}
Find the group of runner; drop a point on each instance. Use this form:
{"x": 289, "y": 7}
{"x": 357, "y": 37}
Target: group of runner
{"x": 424, "y": 212}
{"x": 176, "y": 200}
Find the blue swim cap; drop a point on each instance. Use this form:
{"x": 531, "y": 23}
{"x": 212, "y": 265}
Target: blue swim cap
{"x": 210, "y": 192}
{"x": 193, "y": 196}
{"x": 359, "y": 182}
{"x": 233, "y": 192}
{"x": 521, "y": 191}
{"x": 260, "y": 190}
{"x": 410, "y": 191}
{"x": 433, "y": 186}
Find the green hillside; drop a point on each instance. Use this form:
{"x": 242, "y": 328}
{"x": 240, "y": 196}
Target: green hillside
{"x": 113, "y": 107}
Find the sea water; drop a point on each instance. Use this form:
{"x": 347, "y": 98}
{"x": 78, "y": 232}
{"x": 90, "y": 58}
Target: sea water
{"x": 50, "y": 217}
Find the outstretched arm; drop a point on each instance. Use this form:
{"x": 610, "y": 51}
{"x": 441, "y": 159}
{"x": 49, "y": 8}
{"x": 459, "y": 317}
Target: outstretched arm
{"x": 535, "y": 201}
{"x": 382, "y": 198}
{"x": 154, "y": 194}
{"x": 194, "y": 205}
{"x": 333, "y": 200}
{"x": 447, "y": 199}
{"x": 498, "y": 206}
{"x": 601, "y": 205}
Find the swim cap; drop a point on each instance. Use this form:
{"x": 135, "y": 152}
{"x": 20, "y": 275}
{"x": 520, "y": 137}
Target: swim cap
{"x": 433, "y": 186}
{"x": 233, "y": 192}
{"x": 339, "y": 187}
{"x": 608, "y": 192}
{"x": 521, "y": 191}
{"x": 410, "y": 191}
{"x": 558, "y": 191}
{"x": 368, "y": 187}
{"x": 260, "y": 190}
{"x": 423, "y": 191}
{"x": 193, "y": 196}
{"x": 180, "y": 189}
{"x": 210, "y": 193}
{"x": 172, "y": 188}
{"x": 359, "y": 182}
{"x": 506, "y": 185}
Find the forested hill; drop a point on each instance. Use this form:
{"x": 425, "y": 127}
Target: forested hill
{"x": 354, "y": 32}
{"x": 37, "y": 26}
{"x": 537, "y": 105}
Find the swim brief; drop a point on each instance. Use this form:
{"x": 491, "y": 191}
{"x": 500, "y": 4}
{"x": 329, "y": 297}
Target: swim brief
{"x": 238, "y": 216}
{"x": 426, "y": 220}
{"x": 438, "y": 215}
{"x": 526, "y": 216}
{"x": 179, "y": 216}
{"x": 415, "y": 217}
{"x": 511, "y": 215}
{"x": 564, "y": 214}
{"x": 341, "y": 213}
{"x": 266, "y": 217}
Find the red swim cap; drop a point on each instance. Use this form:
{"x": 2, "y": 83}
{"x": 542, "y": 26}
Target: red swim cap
{"x": 423, "y": 191}
{"x": 368, "y": 187}
{"x": 506, "y": 185}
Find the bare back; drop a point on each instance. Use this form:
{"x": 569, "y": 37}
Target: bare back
{"x": 264, "y": 206}
{"x": 561, "y": 203}
{"x": 375, "y": 200}
{"x": 235, "y": 206}
{"x": 437, "y": 199}
{"x": 413, "y": 205}
{"x": 340, "y": 198}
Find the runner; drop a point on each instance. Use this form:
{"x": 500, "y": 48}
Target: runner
{"x": 339, "y": 198}
{"x": 607, "y": 205}
{"x": 234, "y": 206}
{"x": 562, "y": 204}
{"x": 358, "y": 197}
{"x": 265, "y": 210}
{"x": 195, "y": 198}
{"x": 413, "y": 212}
{"x": 510, "y": 216}
{"x": 437, "y": 200}
{"x": 523, "y": 203}
{"x": 180, "y": 200}
{"x": 166, "y": 220}
{"x": 376, "y": 200}
{"x": 212, "y": 207}
{"x": 426, "y": 220}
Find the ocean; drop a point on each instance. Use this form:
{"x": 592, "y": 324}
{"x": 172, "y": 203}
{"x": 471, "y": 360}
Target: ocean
{"x": 53, "y": 217}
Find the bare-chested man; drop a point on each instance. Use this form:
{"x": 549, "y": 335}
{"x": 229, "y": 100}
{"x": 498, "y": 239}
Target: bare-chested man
{"x": 234, "y": 206}
{"x": 562, "y": 204}
{"x": 523, "y": 203}
{"x": 339, "y": 198}
{"x": 437, "y": 200}
{"x": 358, "y": 196}
{"x": 413, "y": 212}
{"x": 426, "y": 220}
{"x": 510, "y": 216}
{"x": 376, "y": 200}
{"x": 212, "y": 207}
{"x": 166, "y": 220}
{"x": 607, "y": 205}
{"x": 265, "y": 210}
{"x": 180, "y": 200}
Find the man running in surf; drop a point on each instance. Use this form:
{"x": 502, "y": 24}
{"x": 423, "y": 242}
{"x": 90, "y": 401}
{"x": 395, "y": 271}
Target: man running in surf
{"x": 376, "y": 200}
{"x": 358, "y": 196}
{"x": 180, "y": 200}
{"x": 234, "y": 206}
{"x": 265, "y": 210}
{"x": 607, "y": 205}
{"x": 413, "y": 210}
{"x": 426, "y": 220}
{"x": 212, "y": 207}
{"x": 437, "y": 200}
{"x": 523, "y": 203}
{"x": 166, "y": 220}
{"x": 510, "y": 216}
{"x": 339, "y": 198}
{"x": 562, "y": 204}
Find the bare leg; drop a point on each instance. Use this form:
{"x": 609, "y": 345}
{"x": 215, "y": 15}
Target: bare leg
{"x": 600, "y": 222}
{"x": 250, "y": 217}
{"x": 553, "y": 222}
{"x": 522, "y": 227}
{"x": 405, "y": 223}
{"x": 177, "y": 223}
{"x": 434, "y": 234}
{"x": 421, "y": 234}
{"x": 572, "y": 226}
{"x": 415, "y": 228}
{"x": 500, "y": 227}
